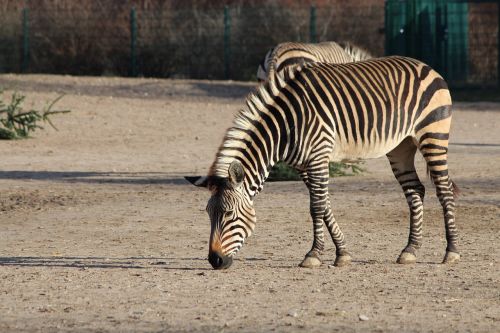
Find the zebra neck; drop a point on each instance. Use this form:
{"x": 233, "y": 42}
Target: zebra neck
{"x": 258, "y": 139}
{"x": 256, "y": 168}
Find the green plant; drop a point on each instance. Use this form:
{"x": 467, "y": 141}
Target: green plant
{"x": 283, "y": 172}
{"x": 338, "y": 169}
{"x": 17, "y": 123}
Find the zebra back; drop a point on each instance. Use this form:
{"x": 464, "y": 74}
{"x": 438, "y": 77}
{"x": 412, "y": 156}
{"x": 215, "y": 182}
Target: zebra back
{"x": 294, "y": 54}
{"x": 356, "y": 52}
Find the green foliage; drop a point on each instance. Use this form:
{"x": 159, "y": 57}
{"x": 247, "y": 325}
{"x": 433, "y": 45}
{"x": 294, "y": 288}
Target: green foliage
{"x": 338, "y": 169}
{"x": 283, "y": 172}
{"x": 17, "y": 123}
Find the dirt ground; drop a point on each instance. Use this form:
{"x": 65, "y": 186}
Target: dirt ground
{"x": 100, "y": 233}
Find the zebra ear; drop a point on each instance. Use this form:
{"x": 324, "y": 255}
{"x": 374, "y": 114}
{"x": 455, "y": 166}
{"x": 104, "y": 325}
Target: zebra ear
{"x": 198, "y": 181}
{"x": 236, "y": 173}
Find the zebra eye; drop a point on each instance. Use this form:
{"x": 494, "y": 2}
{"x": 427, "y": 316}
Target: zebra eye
{"x": 228, "y": 214}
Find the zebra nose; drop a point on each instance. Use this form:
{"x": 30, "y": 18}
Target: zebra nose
{"x": 219, "y": 261}
{"x": 215, "y": 260}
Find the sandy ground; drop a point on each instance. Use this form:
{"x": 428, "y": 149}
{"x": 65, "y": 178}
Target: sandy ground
{"x": 100, "y": 233}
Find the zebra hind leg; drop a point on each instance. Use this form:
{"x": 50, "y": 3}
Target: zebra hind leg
{"x": 402, "y": 160}
{"x": 435, "y": 154}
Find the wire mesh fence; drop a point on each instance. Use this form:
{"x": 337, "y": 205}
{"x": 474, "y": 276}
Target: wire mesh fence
{"x": 484, "y": 42}
{"x": 165, "y": 39}
{"x": 210, "y": 40}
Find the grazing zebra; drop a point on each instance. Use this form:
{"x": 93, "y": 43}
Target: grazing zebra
{"x": 288, "y": 54}
{"x": 390, "y": 106}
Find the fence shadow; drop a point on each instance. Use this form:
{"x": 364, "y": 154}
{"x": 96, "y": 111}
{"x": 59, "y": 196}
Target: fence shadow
{"x": 479, "y": 145}
{"x": 134, "y": 178}
{"x": 151, "y": 89}
{"x": 225, "y": 90}
{"x": 135, "y": 263}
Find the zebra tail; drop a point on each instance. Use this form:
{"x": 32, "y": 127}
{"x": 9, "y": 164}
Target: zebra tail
{"x": 456, "y": 189}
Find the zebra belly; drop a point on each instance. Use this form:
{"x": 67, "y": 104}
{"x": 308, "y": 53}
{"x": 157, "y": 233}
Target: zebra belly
{"x": 350, "y": 152}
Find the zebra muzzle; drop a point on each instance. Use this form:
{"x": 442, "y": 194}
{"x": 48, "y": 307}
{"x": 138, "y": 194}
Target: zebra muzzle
{"x": 219, "y": 261}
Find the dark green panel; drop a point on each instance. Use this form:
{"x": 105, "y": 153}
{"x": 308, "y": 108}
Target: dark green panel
{"x": 457, "y": 42}
{"x": 433, "y": 31}
{"x": 425, "y": 32}
{"x": 395, "y": 27}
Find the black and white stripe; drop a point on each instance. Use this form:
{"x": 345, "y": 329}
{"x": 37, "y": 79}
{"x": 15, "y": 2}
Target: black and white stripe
{"x": 293, "y": 54}
{"x": 390, "y": 106}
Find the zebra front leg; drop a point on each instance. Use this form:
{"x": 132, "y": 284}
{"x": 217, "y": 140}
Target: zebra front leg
{"x": 342, "y": 256}
{"x": 317, "y": 180}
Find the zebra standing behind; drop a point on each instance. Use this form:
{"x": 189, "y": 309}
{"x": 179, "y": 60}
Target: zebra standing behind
{"x": 390, "y": 106}
{"x": 293, "y": 54}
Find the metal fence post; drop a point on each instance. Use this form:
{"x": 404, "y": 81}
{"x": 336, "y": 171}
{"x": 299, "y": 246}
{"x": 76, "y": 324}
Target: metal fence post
{"x": 498, "y": 45}
{"x": 312, "y": 25}
{"x": 387, "y": 29}
{"x": 26, "y": 42}
{"x": 227, "y": 43}
{"x": 133, "y": 42}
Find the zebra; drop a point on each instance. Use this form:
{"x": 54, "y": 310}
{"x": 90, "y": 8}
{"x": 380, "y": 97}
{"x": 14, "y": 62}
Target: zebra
{"x": 287, "y": 54}
{"x": 319, "y": 113}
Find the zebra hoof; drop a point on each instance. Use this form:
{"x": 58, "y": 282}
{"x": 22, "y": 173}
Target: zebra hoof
{"x": 343, "y": 260}
{"x": 310, "y": 262}
{"x": 406, "y": 258}
{"x": 451, "y": 257}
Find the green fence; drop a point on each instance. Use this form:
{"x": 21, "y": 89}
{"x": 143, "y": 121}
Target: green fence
{"x": 458, "y": 38}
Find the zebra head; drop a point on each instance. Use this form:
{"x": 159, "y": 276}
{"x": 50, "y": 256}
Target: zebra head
{"x": 231, "y": 212}
{"x": 263, "y": 69}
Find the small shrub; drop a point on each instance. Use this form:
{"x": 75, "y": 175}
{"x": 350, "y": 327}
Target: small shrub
{"x": 283, "y": 172}
{"x": 18, "y": 123}
{"x": 338, "y": 169}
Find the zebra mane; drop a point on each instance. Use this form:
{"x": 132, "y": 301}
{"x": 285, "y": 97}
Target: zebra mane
{"x": 255, "y": 104}
{"x": 264, "y": 94}
{"x": 356, "y": 52}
